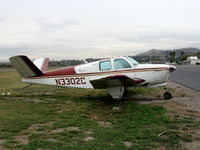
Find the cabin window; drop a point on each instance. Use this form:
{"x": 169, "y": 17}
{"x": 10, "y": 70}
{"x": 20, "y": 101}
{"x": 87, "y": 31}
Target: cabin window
{"x": 121, "y": 63}
{"x": 105, "y": 65}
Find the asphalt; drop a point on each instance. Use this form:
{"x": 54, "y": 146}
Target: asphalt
{"x": 187, "y": 75}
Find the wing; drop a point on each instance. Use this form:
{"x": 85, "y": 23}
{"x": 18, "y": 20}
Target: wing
{"x": 107, "y": 81}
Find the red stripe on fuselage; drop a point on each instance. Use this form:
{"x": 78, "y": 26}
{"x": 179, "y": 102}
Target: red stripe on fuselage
{"x": 61, "y": 72}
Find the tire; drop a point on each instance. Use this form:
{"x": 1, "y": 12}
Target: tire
{"x": 167, "y": 95}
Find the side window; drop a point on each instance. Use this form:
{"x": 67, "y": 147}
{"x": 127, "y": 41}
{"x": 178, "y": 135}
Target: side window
{"x": 105, "y": 65}
{"x": 121, "y": 63}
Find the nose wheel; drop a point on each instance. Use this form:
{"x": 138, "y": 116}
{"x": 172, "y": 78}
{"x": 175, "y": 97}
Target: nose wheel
{"x": 167, "y": 95}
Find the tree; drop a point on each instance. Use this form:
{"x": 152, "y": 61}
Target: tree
{"x": 198, "y": 55}
{"x": 172, "y": 56}
{"x": 182, "y": 54}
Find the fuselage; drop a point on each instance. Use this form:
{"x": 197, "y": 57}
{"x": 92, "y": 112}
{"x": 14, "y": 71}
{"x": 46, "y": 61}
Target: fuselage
{"x": 80, "y": 76}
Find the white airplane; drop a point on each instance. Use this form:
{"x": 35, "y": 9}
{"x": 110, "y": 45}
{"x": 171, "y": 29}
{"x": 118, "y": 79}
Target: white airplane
{"x": 114, "y": 74}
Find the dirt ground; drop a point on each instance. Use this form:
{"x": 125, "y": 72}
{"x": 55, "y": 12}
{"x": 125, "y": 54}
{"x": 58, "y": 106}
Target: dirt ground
{"x": 185, "y": 102}
{"x": 190, "y": 103}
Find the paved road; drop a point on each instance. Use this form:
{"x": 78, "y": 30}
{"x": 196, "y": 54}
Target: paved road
{"x": 187, "y": 75}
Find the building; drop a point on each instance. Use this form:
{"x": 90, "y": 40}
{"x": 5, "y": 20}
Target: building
{"x": 193, "y": 60}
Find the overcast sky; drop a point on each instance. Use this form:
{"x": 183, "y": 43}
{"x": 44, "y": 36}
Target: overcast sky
{"x": 96, "y": 28}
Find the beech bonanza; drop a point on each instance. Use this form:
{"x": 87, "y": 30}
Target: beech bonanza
{"x": 114, "y": 74}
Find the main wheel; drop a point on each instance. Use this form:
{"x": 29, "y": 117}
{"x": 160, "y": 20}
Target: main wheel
{"x": 167, "y": 95}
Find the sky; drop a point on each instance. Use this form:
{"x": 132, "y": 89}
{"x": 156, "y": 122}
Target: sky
{"x": 78, "y": 29}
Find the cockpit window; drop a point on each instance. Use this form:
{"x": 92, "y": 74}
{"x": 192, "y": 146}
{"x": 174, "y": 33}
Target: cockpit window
{"x": 121, "y": 63}
{"x": 132, "y": 61}
{"x": 105, "y": 65}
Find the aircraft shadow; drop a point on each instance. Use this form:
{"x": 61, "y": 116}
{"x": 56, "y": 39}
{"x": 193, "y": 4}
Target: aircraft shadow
{"x": 145, "y": 99}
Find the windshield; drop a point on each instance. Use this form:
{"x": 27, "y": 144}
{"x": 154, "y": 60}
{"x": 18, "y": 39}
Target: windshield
{"x": 132, "y": 61}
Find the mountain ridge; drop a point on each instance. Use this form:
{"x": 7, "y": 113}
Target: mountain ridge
{"x": 162, "y": 53}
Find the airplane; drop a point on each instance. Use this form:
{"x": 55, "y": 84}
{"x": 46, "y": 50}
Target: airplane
{"x": 114, "y": 74}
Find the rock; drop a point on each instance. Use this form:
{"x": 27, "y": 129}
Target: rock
{"x": 104, "y": 123}
{"x": 128, "y": 144}
{"x": 89, "y": 138}
{"x": 116, "y": 108}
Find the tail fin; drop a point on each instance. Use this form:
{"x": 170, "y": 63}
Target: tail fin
{"x": 42, "y": 63}
{"x": 25, "y": 67}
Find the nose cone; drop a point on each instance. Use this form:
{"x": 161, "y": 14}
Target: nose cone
{"x": 172, "y": 68}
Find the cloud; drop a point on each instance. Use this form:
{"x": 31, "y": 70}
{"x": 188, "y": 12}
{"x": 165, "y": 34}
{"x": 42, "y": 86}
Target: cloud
{"x": 101, "y": 44}
{"x": 11, "y": 51}
{"x": 2, "y": 19}
{"x": 55, "y": 24}
{"x": 163, "y": 36}
{"x": 153, "y": 36}
{"x": 35, "y": 50}
{"x": 57, "y": 39}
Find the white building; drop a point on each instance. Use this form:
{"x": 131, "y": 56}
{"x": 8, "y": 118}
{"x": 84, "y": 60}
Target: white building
{"x": 193, "y": 60}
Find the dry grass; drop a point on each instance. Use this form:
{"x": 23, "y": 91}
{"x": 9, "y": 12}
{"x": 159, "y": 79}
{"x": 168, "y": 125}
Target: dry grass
{"x": 81, "y": 119}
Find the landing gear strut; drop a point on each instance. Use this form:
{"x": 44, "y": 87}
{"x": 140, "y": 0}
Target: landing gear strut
{"x": 167, "y": 95}
{"x": 125, "y": 94}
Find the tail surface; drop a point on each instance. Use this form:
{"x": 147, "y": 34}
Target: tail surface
{"x": 25, "y": 67}
{"x": 42, "y": 63}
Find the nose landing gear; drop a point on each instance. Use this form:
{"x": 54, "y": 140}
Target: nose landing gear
{"x": 167, "y": 95}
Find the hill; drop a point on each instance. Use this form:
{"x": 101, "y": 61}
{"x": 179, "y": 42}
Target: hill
{"x": 167, "y": 55}
{"x": 161, "y": 53}
{"x": 153, "y": 52}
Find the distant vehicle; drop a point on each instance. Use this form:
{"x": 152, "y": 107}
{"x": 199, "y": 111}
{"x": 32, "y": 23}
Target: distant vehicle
{"x": 114, "y": 74}
{"x": 198, "y": 63}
